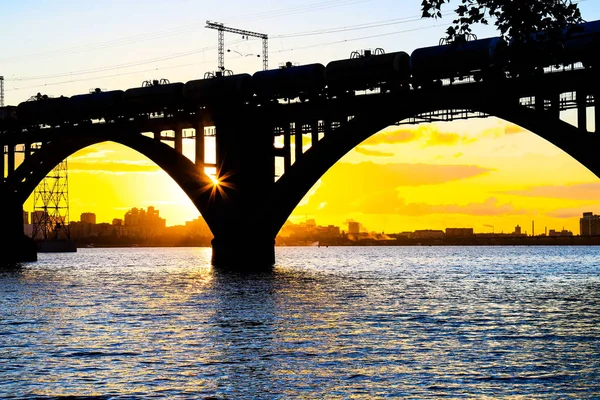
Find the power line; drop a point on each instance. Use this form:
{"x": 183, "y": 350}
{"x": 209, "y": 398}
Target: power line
{"x": 377, "y": 24}
{"x": 119, "y": 66}
{"x": 168, "y": 32}
{"x": 190, "y": 64}
{"x": 192, "y": 52}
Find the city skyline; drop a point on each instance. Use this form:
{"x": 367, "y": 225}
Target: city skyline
{"x": 467, "y": 173}
{"x": 152, "y": 215}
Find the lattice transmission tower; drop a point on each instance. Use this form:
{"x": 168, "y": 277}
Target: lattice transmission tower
{"x": 50, "y": 217}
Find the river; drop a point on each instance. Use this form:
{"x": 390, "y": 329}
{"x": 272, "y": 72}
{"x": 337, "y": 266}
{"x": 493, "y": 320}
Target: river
{"x": 328, "y": 322}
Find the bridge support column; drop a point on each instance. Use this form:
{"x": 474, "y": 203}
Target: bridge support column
{"x": 555, "y": 105}
{"x": 15, "y": 247}
{"x": 10, "y": 159}
{"x": 241, "y": 213}
{"x": 179, "y": 139}
{"x": 287, "y": 148}
{"x": 199, "y": 159}
{"x": 597, "y": 111}
{"x": 297, "y": 140}
{"x": 582, "y": 110}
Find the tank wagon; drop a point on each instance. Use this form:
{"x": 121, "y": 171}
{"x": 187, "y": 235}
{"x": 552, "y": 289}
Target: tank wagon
{"x": 154, "y": 98}
{"x": 232, "y": 88}
{"x": 8, "y": 117}
{"x": 488, "y": 59}
{"x": 303, "y": 81}
{"x": 582, "y": 45}
{"x": 387, "y": 71}
{"x": 44, "y": 110}
{"x": 481, "y": 58}
{"x": 97, "y": 105}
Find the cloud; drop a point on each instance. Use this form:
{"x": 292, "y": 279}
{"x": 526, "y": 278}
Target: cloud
{"x": 117, "y": 167}
{"x": 383, "y": 200}
{"x": 447, "y": 139}
{"x": 503, "y": 130}
{"x": 375, "y": 175}
{"x": 431, "y": 135}
{"x": 568, "y": 213}
{"x": 579, "y": 191}
{"x": 511, "y": 129}
{"x": 372, "y": 188}
{"x": 397, "y": 136}
{"x": 374, "y": 153}
{"x": 490, "y": 207}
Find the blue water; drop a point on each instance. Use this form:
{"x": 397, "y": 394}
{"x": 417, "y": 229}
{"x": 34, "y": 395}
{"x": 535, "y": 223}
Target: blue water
{"x": 335, "y": 322}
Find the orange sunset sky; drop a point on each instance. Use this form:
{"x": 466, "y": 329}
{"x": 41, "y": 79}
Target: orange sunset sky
{"x": 482, "y": 173}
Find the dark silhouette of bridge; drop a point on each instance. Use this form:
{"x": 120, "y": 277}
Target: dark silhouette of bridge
{"x": 249, "y": 205}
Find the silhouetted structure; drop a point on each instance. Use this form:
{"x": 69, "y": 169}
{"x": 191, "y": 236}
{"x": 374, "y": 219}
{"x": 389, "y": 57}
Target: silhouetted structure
{"x": 334, "y": 107}
{"x": 589, "y": 224}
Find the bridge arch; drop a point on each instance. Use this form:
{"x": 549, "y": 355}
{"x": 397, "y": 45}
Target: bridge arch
{"x": 316, "y": 161}
{"x": 189, "y": 177}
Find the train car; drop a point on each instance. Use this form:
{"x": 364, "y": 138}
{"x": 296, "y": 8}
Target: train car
{"x": 480, "y": 58}
{"x": 305, "y": 82}
{"x": 154, "y": 98}
{"x": 582, "y": 45}
{"x": 43, "y": 110}
{"x": 386, "y": 71}
{"x": 232, "y": 88}
{"x": 578, "y": 43}
{"x": 8, "y": 117}
{"x": 97, "y": 105}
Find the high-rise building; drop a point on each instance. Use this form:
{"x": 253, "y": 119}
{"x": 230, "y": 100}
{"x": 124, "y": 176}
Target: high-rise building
{"x": 353, "y": 227}
{"x": 517, "y": 230}
{"x": 589, "y": 224}
{"x": 88, "y": 217}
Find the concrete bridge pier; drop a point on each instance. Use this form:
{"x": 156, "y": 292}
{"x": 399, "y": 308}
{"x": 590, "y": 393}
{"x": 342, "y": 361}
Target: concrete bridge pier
{"x": 241, "y": 210}
{"x": 15, "y": 247}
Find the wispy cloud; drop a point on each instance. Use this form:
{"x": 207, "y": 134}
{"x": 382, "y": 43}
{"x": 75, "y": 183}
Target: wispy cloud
{"x": 374, "y": 153}
{"x": 580, "y": 191}
{"x": 447, "y": 139}
{"x": 113, "y": 167}
{"x": 373, "y": 188}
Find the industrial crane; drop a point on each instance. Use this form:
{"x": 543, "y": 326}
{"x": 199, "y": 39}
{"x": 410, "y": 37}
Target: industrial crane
{"x": 221, "y": 29}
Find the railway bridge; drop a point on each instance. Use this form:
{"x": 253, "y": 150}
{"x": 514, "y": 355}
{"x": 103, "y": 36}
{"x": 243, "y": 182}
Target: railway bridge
{"x": 247, "y": 204}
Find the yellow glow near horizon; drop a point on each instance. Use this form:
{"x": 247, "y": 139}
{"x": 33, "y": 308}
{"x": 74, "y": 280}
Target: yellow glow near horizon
{"x": 475, "y": 173}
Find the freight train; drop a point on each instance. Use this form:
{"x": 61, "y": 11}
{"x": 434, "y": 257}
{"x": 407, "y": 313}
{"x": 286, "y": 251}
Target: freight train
{"x": 488, "y": 59}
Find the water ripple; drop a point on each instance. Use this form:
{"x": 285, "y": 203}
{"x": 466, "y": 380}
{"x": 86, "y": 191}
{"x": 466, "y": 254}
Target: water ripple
{"x": 347, "y": 322}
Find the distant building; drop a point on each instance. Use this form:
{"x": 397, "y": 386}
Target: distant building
{"x": 353, "y": 228}
{"x": 459, "y": 232}
{"x": 560, "y": 233}
{"x": 139, "y": 222}
{"x": 88, "y": 217}
{"x": 517, "y": 230}
{"x": 428, "y": 234}
{"x": 198, "y": 227}
{"x": 589, "y": 224}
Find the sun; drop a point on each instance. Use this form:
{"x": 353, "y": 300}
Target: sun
{"x": 211, "y": 172}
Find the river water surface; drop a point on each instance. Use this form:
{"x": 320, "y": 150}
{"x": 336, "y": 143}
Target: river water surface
{"x": 328, "y": 322}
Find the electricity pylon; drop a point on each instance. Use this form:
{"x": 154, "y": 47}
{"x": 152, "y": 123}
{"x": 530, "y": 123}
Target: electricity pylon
{"x": 221, "y": 42}
{"x": 50, "y": 217}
